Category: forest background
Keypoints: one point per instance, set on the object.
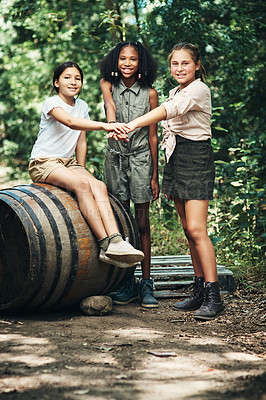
(37, 35)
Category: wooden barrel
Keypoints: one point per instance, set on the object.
(48, 253)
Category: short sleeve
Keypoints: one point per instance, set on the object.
(49, 104)
(82, 109)
(86, 111)
(195, 97)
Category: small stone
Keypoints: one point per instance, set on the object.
(96, 305)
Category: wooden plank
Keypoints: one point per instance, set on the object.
(169, 294)
(179, 283)
(175, 260)
(171, 285)
(181, 271)
(172, 273)
(164, 260)
(173, 294)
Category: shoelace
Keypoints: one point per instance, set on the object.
(206, 298)
(146, 286)
(209, 297)
(126, 287)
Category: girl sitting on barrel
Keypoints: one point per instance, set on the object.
(64, 122)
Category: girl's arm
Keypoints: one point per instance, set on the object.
(152, 117)
(110, 108)
(153, 141)
(109, 103)
(85, 124)
(81, 149)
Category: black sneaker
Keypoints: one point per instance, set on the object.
(146, 294)
(127, 292)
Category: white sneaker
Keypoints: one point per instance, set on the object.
(124, 251)
(121, 264)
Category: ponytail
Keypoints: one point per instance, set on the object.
(194, 51)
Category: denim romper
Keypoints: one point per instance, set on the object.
(128, 165)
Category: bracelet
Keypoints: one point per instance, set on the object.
(110, 122)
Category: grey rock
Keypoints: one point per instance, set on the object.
(96, 305)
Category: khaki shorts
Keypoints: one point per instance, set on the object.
(40, 168)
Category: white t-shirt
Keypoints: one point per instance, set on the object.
(55, 139)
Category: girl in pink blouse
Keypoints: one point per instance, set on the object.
(189, 172)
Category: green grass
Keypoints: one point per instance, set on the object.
(167, 235)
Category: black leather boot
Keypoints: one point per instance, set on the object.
(196, 298)
(212, 305)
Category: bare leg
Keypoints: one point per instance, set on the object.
(180, 206)
(100, 195)
(130, 291)
(194, 221)
(146, 284)
(92, 198)
(143, 222)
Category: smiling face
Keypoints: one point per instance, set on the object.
(69, 84)
(128, 63)
(183, 67)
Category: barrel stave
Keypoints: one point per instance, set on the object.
(48, 253)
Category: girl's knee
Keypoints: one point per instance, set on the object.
(144, 227)
(99, 190)
(195, 233)
(82, 185)
(102, 188)
(143, 222)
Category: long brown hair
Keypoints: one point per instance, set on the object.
(194, 51)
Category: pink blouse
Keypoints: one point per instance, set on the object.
(188, 115)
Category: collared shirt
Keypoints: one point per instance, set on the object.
(131, 103)
(128, 165)
(188, 115)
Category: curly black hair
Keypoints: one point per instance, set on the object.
(147, 66)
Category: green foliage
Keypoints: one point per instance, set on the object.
(166, 230)
(36, 35)
(238, 213)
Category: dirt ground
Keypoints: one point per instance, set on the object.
(68, 355)
(71, 356)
